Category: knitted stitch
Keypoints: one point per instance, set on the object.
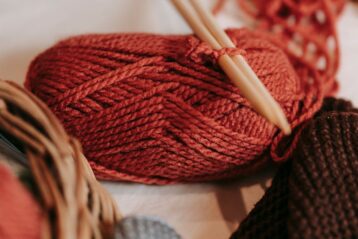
(306, 27)
(316, 194)
(144, 228)
(157, 109)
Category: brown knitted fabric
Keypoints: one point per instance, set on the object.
(315, 195)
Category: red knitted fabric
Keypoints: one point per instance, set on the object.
(307, 29)
(20, 216)
(157, 109)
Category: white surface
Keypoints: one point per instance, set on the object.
(197, 211)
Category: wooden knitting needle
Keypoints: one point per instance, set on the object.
(237, 68)
(225, 41)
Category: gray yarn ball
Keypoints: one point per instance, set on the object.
(135, 227)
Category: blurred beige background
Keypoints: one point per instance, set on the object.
(197, 211)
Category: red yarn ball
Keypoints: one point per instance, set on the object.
(157, 108)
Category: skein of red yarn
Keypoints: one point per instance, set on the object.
(157, 108)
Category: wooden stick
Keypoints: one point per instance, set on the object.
(237, 69)
(208, 19)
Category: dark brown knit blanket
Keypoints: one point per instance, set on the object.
(315, 194)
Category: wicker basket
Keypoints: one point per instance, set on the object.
(75, 204)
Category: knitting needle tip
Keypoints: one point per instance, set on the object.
(283, 124)
(285, 127)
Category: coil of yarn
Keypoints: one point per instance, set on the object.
(157, 109)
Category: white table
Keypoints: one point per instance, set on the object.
(197, 211)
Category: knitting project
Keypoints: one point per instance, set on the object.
(315, 194)
(307, 29)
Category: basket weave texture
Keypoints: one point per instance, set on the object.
(74, 202)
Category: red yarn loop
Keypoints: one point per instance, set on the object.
(201, 52)
(156, 109)
(228, 51)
